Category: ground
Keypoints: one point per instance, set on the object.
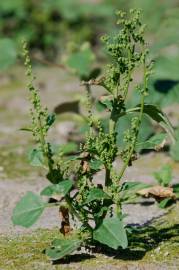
(158, 240)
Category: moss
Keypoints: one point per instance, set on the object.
(156, 243)
(14, 164)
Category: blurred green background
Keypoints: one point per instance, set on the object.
(67, 33)
(49, 25)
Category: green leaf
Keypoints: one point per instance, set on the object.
(35, 157)
(128, 186)
(157, 115)
(96, 194)
(50, 119)
(8, 54)
(107, 102)
(124, 123)
(81, 62)
(66, 148)
(62, 247)
(166, 202)
(62, 188)
(164, 176)
(28, 210)
(129, 189)
(154, 142)
(95, 164)
(111, 233)
(167, 67)
(54, 176)
(176, 190)
(26, 129)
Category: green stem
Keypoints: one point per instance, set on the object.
(107, 178)
(139, 123)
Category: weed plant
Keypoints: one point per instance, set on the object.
(96, 209)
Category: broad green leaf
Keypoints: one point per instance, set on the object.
(155, 142)
(66, 148)
(28, 210)
(157, 115)
(62, 247)
(35, 157)
(8, 53)
(111, 233)
(62, 188)
(81, 62)
(96, 194)
(124, 123)
(164, 176)
(166, 67)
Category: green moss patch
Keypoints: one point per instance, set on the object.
(152, 245)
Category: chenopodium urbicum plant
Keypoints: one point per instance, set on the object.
(95, 208)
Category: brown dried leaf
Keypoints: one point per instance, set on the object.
(65, 223)
(157, 192)
(86, 167)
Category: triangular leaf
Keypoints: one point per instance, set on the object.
(62, 248)
(164, 176)
(35, 157)
(96, 194)
(111, 233)
(28, 210)
(62, 188)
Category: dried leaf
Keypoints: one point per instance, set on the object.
(65, 223)
(85, 166)
(157, 192)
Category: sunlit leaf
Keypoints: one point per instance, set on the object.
(111, 233)
(96, 194)
(62, 247)
(164, 175)
(36, 157)
(62, 188)
(28, 210)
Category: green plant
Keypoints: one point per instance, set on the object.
(164, 178)
(95, 208)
